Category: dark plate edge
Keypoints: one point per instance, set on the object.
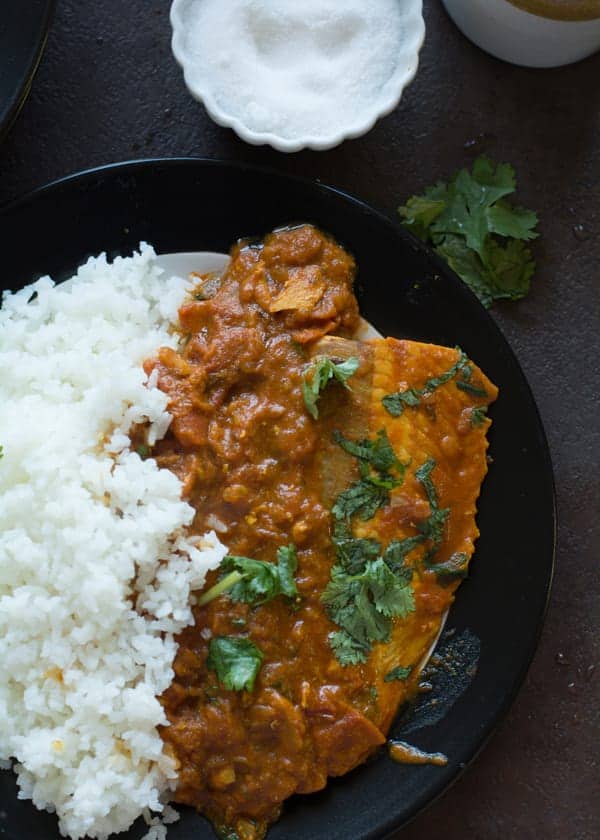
(9, 116)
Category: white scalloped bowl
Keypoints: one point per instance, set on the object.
(199, 85)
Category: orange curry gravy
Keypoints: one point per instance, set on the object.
(262, 472)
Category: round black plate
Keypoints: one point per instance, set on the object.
(23, 32)
(407, 291)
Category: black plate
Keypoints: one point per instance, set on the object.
(407, 291)
(23, 31)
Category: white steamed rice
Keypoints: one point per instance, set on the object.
(96, 571)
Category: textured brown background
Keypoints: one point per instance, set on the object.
(108, 90)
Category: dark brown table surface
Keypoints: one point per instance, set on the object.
(108, 90)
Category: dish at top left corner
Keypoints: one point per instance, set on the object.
(23, 32)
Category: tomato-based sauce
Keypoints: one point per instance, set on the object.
(264, 473)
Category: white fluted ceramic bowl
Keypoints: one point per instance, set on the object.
(200, 85)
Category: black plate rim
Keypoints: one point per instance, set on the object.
(470, 753)
(12, 107)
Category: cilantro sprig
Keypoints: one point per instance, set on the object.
(479, 233)
(363, 605)
(236, 662)
(255, 581)
(322, 371)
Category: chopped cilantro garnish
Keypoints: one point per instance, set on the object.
(477, 231)
(471, 389)
(143, 451)
(378, 463)
(423, 476)
(256, 581)
(399, 673)
(363, 499)
(455, 567)
(366, 592)
(411, 397)
(433, 527)
(398, 550)
(377, 453)
(1, 452)
(363, 606)
(322, 371)
(478, 415)
(352, 552)
(236, 662)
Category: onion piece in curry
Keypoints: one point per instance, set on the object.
(267, 473)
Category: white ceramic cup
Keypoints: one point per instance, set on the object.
(521, 37)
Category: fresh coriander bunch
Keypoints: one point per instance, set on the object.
(479, 233)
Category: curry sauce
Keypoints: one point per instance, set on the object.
(264, 473)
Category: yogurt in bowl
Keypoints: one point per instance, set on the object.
(298, 73)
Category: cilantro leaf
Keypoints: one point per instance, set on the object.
(392, 593)
(372, 491)
(1, 452)
(352, 552)
(423, 476)
(477, 230)
(455, 567)
(478, 415)
(397, 402)
(256, 581)
(346, 649)
(322, 371)
(398, 550)
(287, 564)
(398, 673)
(469, 388)
(433, 527)
(469, 267)
(420, 212)
(411, 397)
(509, 268)
(236, 662)
(363, 499)
(512, 222)
(363, 606)
(378, 453)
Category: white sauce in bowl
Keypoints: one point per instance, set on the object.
(299, 68)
